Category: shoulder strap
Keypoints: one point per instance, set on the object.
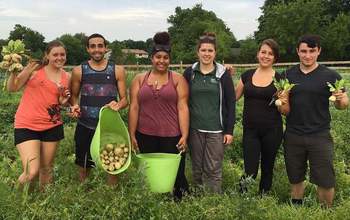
(145, 78)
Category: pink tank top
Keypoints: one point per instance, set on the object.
(38, 109)
(158, 114)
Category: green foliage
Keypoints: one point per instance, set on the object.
(336, 7)
(336, 44)
(338, 85)
(248, 50)
(286, 21)
(76, 48)
(186, 27)
(33, 40)
(283, 84)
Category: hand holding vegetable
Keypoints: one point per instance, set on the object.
(283, 87)
(337, 90)
(74, 111)
(64, 95)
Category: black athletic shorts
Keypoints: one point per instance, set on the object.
(83, 137)
(315, 148)
(50, 135)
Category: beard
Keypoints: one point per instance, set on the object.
(99, 59)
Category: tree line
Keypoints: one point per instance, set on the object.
(283, 20)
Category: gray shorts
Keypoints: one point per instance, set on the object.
(315, 148)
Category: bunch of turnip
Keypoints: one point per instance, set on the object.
(114, 156)
(283, 86)
(13, 54)
(338, 86)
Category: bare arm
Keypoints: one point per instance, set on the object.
(121, 85)
(183, 111)
(75, 83)
(16, 82)
(134, 109)
(239, 89)
(123, 102)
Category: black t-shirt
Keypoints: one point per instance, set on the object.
(309, 104)
(257, 111)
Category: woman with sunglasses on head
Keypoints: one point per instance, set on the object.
(262, 121)
(38, 124)
(212, 114)
(158, 113)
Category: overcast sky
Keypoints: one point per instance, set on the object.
(119, 19)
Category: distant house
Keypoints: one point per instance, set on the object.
(138, 53)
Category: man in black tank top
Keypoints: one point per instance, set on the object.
(307, 136)
(99, 82)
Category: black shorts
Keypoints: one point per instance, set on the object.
(83, 137)
(315, 148)
(50, 135)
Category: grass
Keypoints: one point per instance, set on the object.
(130, 199)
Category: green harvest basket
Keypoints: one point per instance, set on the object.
(160, 170)
(110, 129)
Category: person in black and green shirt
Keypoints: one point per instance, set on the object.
(212, 114)
(307, 136)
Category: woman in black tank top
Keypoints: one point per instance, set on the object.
(262, 122)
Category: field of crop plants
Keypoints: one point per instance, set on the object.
(130, 199)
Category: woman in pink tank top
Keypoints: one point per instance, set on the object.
(38, 124)
(158, 113)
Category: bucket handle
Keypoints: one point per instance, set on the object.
(181, 151)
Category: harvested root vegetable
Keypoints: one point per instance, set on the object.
(12, 54)
(109, 147)
(338, 86)
(283, 86)
(114, 156)
(118, 151)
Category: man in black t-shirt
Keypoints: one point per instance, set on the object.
(307, 136)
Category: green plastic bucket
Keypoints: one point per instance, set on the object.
(110, 129)
(160, 170)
